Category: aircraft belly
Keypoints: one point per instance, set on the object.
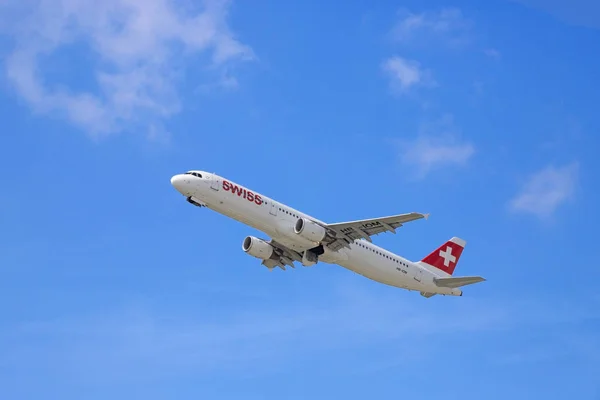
(379, 272)
(243, 212)
(332, 257)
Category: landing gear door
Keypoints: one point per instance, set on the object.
(215, 182)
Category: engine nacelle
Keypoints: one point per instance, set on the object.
(310, 230)
(257, 248)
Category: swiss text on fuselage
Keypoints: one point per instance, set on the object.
(241, 192)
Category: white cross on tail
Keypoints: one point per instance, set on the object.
(447, 256)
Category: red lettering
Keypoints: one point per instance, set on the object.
(248, 195)
(236, 190)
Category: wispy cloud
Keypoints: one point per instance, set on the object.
(492, 53)
(138, 52)
(546, 190)
(447, 25)
(404, 74)
(437, 145)
(444, 27)
(141, 343)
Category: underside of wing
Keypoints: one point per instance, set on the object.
(284, 256)
(337, 236)
(346, 232)
(272, 264)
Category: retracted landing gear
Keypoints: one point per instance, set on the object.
(195, 202)
(311, 256)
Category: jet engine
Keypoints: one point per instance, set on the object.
(257, 248)
(309, 230)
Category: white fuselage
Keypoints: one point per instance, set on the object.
(277, 220)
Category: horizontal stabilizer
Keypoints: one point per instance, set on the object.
(458, 281)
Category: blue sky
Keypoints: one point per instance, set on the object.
(483, 115)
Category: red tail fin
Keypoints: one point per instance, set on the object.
(446, 256)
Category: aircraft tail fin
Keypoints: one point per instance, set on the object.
(446, 256)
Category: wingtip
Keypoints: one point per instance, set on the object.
(426, 216)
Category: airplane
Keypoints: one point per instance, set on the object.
(298, 237)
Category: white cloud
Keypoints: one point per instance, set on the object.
(138, 47)
(492, 53)
(447, 24)
(546, 190)
(437, 145)
(405, 74)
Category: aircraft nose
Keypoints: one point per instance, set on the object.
(178, 182)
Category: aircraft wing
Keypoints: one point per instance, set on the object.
(346, 232)
(286, 256)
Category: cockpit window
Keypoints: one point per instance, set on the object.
(199, 175)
